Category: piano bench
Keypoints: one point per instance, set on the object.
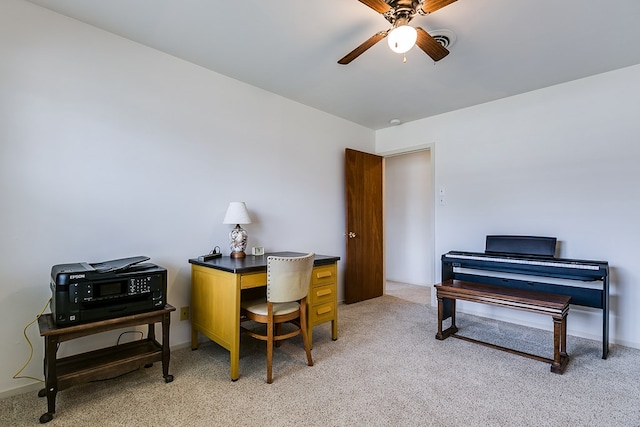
(554, 305)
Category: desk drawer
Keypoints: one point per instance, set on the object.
(253, 280)
(323, 275)
(323, 294)
(322, 313)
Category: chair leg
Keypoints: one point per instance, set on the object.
(270, 344)
(278, 331)
(303, 330)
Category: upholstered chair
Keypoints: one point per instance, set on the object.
(288, 281)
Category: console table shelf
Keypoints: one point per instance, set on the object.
(102, 363)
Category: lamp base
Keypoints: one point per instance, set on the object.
(237, 242)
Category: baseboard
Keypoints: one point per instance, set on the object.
(33, 387)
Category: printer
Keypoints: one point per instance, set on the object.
(84, 292)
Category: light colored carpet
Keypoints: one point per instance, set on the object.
(386, 368)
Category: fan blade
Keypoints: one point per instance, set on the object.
(430, 46)
(431, 6)
(363, 47)
(377, 5)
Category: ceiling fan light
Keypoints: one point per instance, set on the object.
(402, 38)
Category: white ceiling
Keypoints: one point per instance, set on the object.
(291, 48)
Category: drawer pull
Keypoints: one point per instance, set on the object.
(323, 274)
(323, 310)
(323, 292)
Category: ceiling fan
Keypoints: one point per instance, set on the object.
(399, 13)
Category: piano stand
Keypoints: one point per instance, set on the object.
(557, 306)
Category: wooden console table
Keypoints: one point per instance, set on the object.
(103, 363)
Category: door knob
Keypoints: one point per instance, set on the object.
(351, 234)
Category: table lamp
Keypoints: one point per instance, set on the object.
(237, 214)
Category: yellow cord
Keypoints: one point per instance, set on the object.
(24, 332)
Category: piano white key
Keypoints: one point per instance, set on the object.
(526, 262)
(596, 284)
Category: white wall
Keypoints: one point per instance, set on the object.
(110, 149)
(408, 217)
(560, 161)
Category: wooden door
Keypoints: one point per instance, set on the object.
(364, 271)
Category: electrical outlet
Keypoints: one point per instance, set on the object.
(184, 313)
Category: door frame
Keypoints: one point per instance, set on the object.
(434, 195)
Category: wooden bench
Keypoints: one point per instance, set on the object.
(556, 306)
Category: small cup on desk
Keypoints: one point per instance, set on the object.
(257, 250)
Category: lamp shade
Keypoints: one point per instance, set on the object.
(237, 214)
(402, 38)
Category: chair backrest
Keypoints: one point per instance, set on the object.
(288, 278)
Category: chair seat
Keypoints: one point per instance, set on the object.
(259, 307)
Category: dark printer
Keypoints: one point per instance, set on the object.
(84, 292)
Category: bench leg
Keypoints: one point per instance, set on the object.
(560, 356)
(563, 342)
(441, 316)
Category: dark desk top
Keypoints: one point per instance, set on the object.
(255, 262)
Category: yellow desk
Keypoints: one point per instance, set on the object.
(217, 287)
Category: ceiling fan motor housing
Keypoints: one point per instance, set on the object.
(402, 11)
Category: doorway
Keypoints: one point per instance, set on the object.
(409, 218)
